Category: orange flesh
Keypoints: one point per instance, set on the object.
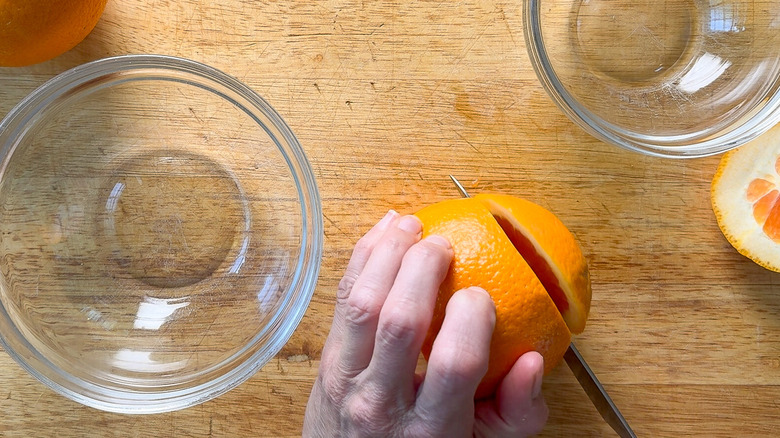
(537, 263)
(763, 207)
(772, 224)
(758, 188)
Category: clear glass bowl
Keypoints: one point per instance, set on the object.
(674, 78)
(160, 233)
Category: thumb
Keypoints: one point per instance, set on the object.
(518, 408)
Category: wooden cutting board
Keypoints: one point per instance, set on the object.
(388, 98)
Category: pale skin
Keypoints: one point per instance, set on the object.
(367, 384)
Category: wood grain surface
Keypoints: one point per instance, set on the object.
(387, 99)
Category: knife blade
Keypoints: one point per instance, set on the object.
(585, 376)
(596, 393)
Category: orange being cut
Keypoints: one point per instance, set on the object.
(33, 31)
(529, 263)
(745, 197)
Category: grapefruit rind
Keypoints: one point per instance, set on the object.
(485, 232)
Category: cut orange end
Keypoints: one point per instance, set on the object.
(528, 262)
(746, 199)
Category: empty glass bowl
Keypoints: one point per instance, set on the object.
(675, 78)
(160, 233)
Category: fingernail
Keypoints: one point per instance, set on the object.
(537, 388)
(438, 240)
(479, 289)
(410, 224)
(382, 224)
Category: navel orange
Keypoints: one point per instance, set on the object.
(530, 264)
(745, 197)
(33, 31)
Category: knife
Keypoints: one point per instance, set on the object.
(596, 393)
(593, 388)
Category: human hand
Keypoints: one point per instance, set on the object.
(367, 384)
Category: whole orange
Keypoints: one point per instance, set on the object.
(529, 263)
(33, 31)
